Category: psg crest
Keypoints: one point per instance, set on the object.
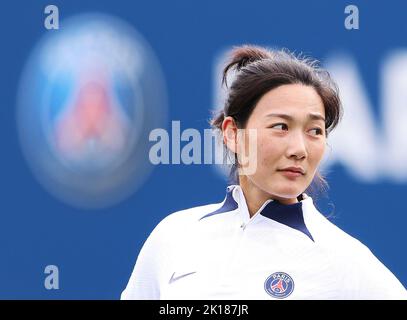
(89, 96)
(279, 285)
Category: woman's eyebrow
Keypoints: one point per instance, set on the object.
(312, 116)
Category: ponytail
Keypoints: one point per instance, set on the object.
(240, 57)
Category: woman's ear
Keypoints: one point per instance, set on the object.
(229, 131)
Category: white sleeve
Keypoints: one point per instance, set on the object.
(375, 281)
(144, 283)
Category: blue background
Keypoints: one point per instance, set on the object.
(96, 250)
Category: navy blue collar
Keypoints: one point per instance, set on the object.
(290, 215)
(229, 204)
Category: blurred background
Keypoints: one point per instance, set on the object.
(82, 90)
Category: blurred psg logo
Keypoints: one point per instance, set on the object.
(89, 96)
(279, 285)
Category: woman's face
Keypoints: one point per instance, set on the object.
(290, 126)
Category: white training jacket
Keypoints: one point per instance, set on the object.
(290, 251)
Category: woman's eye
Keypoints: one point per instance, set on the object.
(280, 125)
(318, 131)
(283, 126)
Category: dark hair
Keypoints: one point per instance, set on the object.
(259, 70)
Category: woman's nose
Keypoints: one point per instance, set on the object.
(297, 147)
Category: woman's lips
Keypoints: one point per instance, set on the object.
(291, 174)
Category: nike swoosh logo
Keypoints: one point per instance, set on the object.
(174, 278)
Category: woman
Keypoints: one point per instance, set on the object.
(266, 240)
